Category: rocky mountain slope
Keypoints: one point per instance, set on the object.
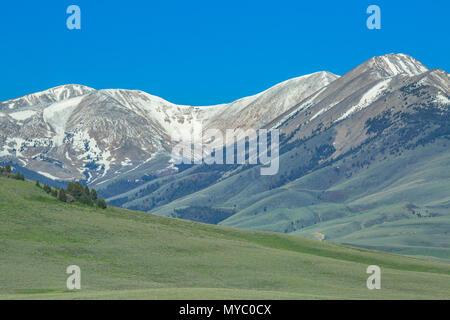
(76, 132)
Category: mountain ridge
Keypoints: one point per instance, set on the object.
(342, 142)
(108, 120)
(362, 122)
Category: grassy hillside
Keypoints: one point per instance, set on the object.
(392, 202)
(126, 254)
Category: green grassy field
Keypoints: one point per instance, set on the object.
(130, 255)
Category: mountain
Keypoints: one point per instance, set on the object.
(364, 161)
(75, 132)
(364, 158)
(133, 255)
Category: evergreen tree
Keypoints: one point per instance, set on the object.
(86, 199)
(54, 193)
(38, 184)
(8, 168)
(77, 191)
(19, 176)
(86, 190)
(62, 195)
(71, 188)
(101, 203)
(47, 188)
(94, 195)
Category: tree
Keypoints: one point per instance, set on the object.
(8, 168)
(54, 193)
(75, 189)
(62, 195)
(19, 176)
(86, 199)
(94, 195)
(70, 188)
(47, 188)
(38, 184)
(101, 203)
(87, 191)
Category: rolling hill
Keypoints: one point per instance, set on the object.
(134, 255)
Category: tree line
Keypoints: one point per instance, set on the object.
(75, 192)
(7, 172)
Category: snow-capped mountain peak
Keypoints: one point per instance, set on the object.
(73, 131)
(76, 132)
(46, 97)
(394, 64)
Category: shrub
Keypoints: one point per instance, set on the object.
(62, 195)
(101, 203)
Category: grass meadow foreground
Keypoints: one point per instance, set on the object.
(132, 255)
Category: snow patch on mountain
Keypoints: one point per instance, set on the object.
(310, 102)
(57, 115)
(395, 64)
(180, 122)
(22, 115)
(442, 99)
(4, 151)
(48, 175)
(93, 157)
(127, 162)
(368, 98)
(323, 110)
(46, 97)
(16, 146)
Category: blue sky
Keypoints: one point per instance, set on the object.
(206, 52)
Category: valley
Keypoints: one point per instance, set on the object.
(125, 254)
